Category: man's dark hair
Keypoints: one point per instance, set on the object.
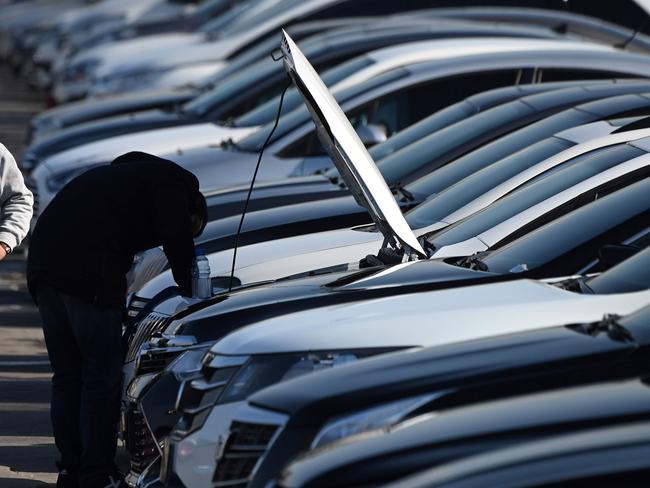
(199, 208)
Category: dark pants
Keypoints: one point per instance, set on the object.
(85, 350)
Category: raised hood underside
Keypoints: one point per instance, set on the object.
(348, 152)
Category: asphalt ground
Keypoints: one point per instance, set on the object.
(27, 450)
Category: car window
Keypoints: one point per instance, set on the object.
(267, 112)
(462, 192)
(578, 235)
(367, 7)
(404, 107)
(228, 17)
(562, 74)
(523, 198)
(495, 150)
(633, 274)
(519, 139)
(456, 112)
(630, 479)
(259, 83)
(435, 150)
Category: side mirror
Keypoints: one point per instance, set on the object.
(371, 134)
(612, 254)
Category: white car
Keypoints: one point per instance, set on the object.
(274, 259)
(53, 172)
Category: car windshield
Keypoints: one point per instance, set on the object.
(227, 18)
(263, 81)
(267, 112)
(496, 150)
(301, 115)
(262, 48)
(452, 114)
(208, 6)
(441, 205)
(571, 173)
(631, 275)
(233, 86)
(573, 230)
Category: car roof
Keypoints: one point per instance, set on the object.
(441, 49)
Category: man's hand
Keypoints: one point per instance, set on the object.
(3, 253)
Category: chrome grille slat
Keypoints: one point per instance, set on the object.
(140, 443)
(145, 329)
(246, 445)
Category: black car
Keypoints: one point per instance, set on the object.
(568, 245)
(582, 238)
(315, 407)
(327, 205)
(448, 434)
(195, 402)
(605, 456)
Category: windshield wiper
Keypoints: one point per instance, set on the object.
(229, 144)
(474, 262)
(609, 325)
(577, 285)
(401, 192)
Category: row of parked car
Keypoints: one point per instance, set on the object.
(443, 275)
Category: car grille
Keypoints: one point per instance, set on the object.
(139, 441)
(33, 187)
(136, 305)
(155, 360)
(145, 329)
(198, 397)
(245, 447)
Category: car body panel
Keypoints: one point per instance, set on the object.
(497, 304)
(348, 152)
(501, 422)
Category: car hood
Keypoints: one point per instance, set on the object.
(347, 151)
(99, 129)
(121, 51)
(159, 142)
(426, 318)
(250, 304)
(428, 440)
(71, 112)
(503, 358)
(190, 49)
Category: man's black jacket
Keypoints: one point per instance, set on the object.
(84, 242)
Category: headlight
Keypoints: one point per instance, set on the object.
(59, 180)
(188, 364)
(375, 418)
(229, 379)
(263, 371)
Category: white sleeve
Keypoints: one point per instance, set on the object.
(16, 201)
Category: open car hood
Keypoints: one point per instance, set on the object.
(348, 152)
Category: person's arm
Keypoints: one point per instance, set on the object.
(16, 203)
(174, 227)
